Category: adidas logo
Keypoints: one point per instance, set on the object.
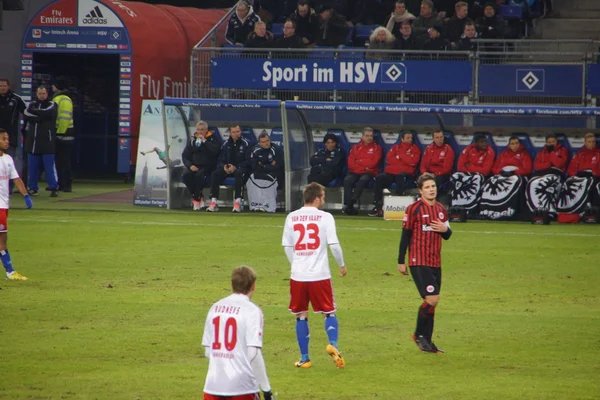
(95, 17)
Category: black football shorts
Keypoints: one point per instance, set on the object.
(427, 279)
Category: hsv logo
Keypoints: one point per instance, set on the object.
(95, 17)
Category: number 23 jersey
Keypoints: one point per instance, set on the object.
(232, 325)
(309, 231)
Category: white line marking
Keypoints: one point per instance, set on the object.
(349, 228)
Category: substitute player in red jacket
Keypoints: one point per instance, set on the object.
(516, 156)
(552, 159)
(438, 159)
(425, 225)
(477, 158)
(587, 160)
(363, 164)
(400, 165)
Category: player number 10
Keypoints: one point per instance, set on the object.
(313, 241)
(230, 333)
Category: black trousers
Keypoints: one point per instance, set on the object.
(358, 182)
(384, 180)
(321, 177)
(64, 150)
(195, 181)
(441, 180)
(219, 175)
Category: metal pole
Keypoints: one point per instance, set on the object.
(286, 159)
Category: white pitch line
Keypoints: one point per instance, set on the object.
(350, 228)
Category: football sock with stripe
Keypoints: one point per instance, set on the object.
(303, 336)
(6, 261)
(332, 329)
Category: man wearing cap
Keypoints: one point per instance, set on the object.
(64, 135)
(327, 163)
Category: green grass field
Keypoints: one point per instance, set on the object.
(115, 305)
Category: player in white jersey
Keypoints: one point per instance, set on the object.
(8, 172)
(233, 336)
(306, 234)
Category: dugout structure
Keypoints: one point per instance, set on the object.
(300, 126)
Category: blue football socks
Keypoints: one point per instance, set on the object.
(303, 335)
(331, 327)
(6, 261)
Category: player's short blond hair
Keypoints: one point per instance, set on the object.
(242, 279)
(312, 191)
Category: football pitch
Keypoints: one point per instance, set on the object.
(116, 300)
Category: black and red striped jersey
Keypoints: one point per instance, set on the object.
(425, 248)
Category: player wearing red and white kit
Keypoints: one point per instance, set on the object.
(425, 225)
(233, 335)
(306, 234)
(8, 172)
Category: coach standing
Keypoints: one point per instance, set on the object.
(64, 135)
(11, 108)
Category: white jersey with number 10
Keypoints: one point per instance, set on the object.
(309, 231)
(233, 324)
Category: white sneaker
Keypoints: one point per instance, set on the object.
(202, 205)
(237, 207)
(195, 205)
(213, 207)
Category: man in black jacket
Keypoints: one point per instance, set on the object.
(307, 22)
(267, 160)
(289, 40)
(327, 163)
(11, 108)
(234, 161)
(40, 141)
(200, 159)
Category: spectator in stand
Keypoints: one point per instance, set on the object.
(260, 38)
(289, 40)
(327, 163)
(363, 164)
(587, 160)
(380, 39)
(427, 19)
(200, 159)
(241, 24)
(551, 159)
(455, 26)
(477, 158)
(407, 40)
(400, 166)
(514, 160)
(465, 43)
(332, 27)
(397, 18)
(436, 40)
(490, 25)
(438, 159)
(307, 22)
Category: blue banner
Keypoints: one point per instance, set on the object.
(531, 80)
(322, 74)
(445, 109)
(172, 101)
(593, 84)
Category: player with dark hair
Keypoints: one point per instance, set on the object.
(232, 339)
(306, 234)
(425, 225)
(8, 171)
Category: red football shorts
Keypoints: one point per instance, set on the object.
(319, 294)
(3, 220)
(253, 396)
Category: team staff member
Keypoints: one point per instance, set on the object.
(438, 159)
(40, 141)
(232, 340)
(327, 163)
(425, 225)
(11, 108)
(64, 135)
